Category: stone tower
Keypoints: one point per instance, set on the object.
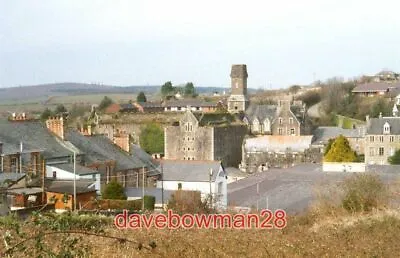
(238, 101)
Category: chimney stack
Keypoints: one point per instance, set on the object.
(57, 126)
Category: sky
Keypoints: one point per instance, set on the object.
(149, 42)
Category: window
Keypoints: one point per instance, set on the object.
(280, 121)
(386, 128)
(184, 148)
(292, 131)
(290, 120)
(372, 151)
(381, 151)
(381, 138)
(391, 138)
(280, 131)
(14, 164)
(54, 174)
(371, 138)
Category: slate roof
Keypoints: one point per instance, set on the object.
(324, 133)
(25, 190)
(376, 86)
(98, 148)
(79, 170)
(156, 192)
(33, 135)
(278, 143)
(189, 102)
(189, 171)
(146, 158)
(261, 112)
(15, 177)
(67, 186)
(375, 125)
(149, 104)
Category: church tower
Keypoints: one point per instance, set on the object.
(238, 101)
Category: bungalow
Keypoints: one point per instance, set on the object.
(375, 88)
(207, 177)
(149, 107)
(192, 104)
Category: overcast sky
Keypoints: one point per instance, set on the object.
(149, 42)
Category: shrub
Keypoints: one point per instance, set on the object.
(114, 190)
(152, 138)
(363, 193)
(395, 159)
(149, 202)
(187, 202)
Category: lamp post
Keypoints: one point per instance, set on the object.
(74, 181)
(211, 197)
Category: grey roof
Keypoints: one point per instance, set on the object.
(375, 125)
(79, 170)
(146, 158)
(278, 143)
(150, 104)
(375, 86)
(239, 71)
(189, 102)
(324, 133)
(25, 190)
(189, 171)
(14, 177)
(261, 112)
(156, 192)
(232, 171)
(67, 186)
(33, 135)
(99, 148)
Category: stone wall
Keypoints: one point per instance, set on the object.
(258, 161)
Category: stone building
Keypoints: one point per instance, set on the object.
(205, 136)
(382, 139)
(238, 100)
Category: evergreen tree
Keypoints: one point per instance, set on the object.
(340, 151)
(189, 90)
(114, 190)
(395, 159)
(141, 97)
(152, 139)
(105, 103)
(60, 109)
(167, 89)
(46, 114)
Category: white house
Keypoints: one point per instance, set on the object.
(66, 171)
(208, 177)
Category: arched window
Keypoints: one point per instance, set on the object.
(386, 128)
(256, 125)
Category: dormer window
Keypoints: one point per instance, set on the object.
(386, 128)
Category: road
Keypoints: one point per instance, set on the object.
(292, 189)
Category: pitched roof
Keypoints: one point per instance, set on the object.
(67, 186)
(375, 125)
(99, 148)
(156, 192)
(150, 104)
(79, 170)
(14, 177)
(376, 86)
(261, 112)
(33, 135)
(189, 102)
(189, 171)
(324, 133)
(278, 143)
(146, 158)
